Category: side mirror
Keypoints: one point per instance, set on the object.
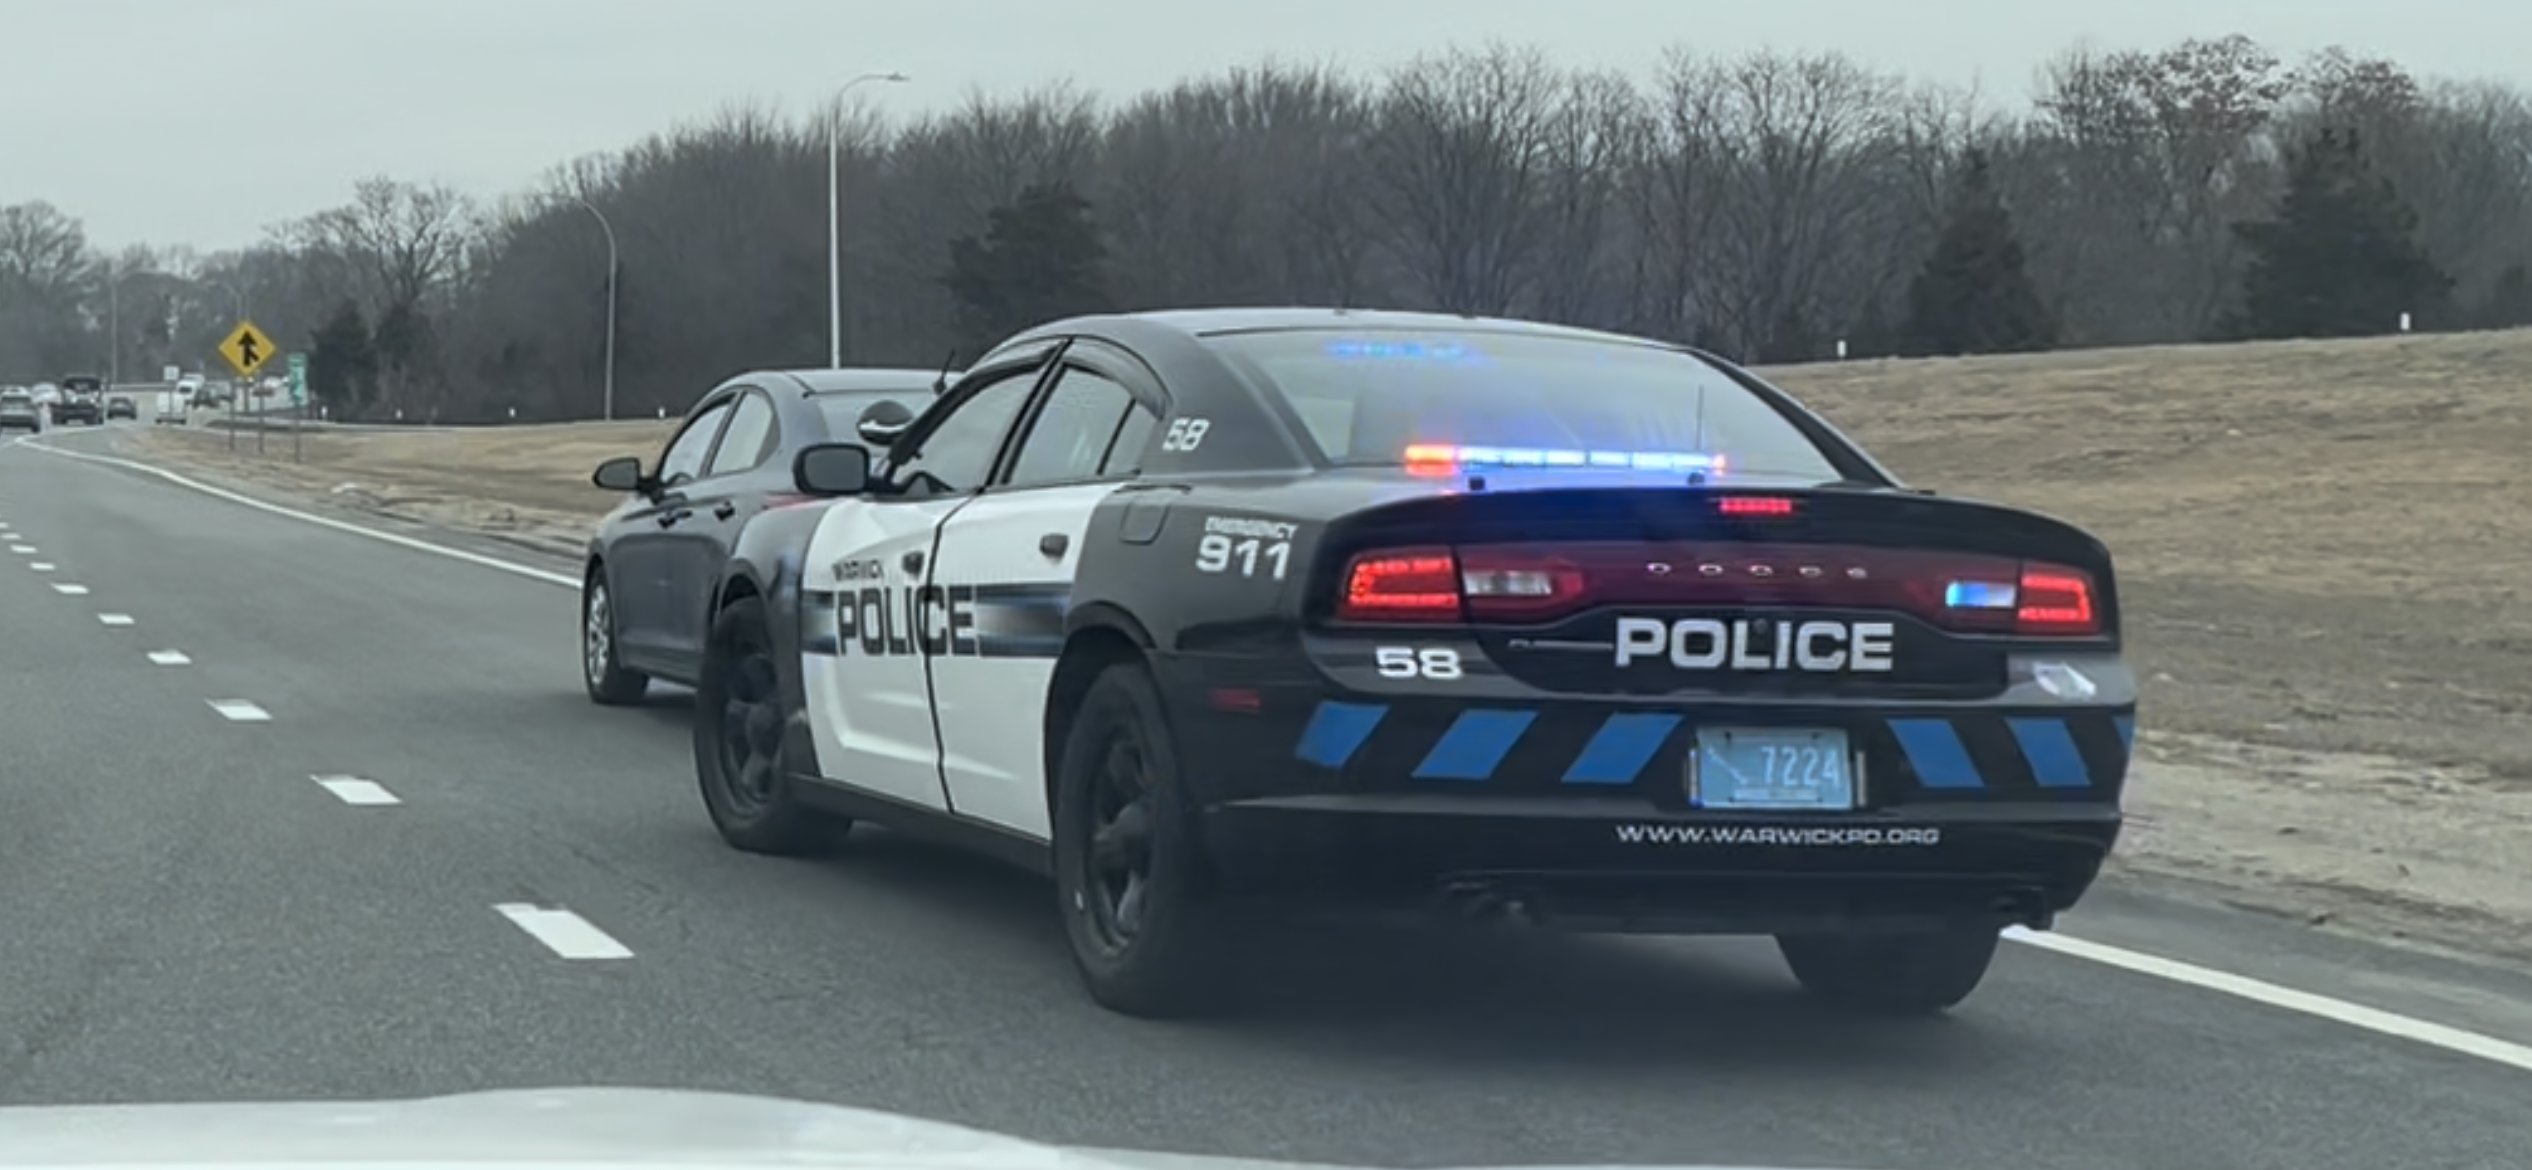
(883, 421)
(620, 474)
(831, 469)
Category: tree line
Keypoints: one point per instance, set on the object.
(1775, 207)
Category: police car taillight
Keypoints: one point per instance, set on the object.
(1402, 585)
(2043, 600)
(2055, 601)
(1437, 584)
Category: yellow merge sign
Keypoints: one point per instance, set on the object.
(247, 349)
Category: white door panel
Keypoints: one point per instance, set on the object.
(861, 654)
(1007, 601)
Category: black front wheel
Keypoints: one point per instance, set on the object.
(1128, 875)
(739, 724)
(1893, 974)
(608, 682)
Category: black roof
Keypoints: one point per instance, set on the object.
(1210, 322)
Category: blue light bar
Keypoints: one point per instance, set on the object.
(1433, 454)
(1979, 595)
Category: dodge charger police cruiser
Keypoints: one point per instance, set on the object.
(1210, 612)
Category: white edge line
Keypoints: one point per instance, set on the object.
(407, 542)
(357, 791)
(2260, 991)
(536, 920)
(563, 932)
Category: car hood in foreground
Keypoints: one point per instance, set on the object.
(582, 1128)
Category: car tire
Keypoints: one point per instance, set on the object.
(739, 728)
(1145, 948)
(608, 682)
(1910, 974)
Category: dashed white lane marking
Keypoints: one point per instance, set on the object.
(2353, 1015)
(2203, 978)
(40, 566)
(240, 711)
(115, 619)
(354, 790)
(169, 658)
(563, 932)
(67, 589)
(23, 550)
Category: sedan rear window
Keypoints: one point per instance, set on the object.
(1383, 398)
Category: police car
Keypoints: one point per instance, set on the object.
(1204, 612)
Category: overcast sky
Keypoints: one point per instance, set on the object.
(203, 121)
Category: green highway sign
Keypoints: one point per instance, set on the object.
(298, 379)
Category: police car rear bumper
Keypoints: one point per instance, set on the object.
(1616, 866)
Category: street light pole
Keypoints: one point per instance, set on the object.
(607, 411)
(835, 220)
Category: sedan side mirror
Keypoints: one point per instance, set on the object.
(620, 474)
(831, 469)
(883, 421)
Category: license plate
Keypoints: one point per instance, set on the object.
(1774, 769)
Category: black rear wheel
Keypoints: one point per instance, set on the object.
(1127, 870)
(738, 738)
(1894, 974)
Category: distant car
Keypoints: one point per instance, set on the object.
(83, 401)
(646, 592)
(120, 406)
(172, 408)
(19, 411)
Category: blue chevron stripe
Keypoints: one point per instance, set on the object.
(1336, 731)
(2050, 748)
(1475, 745)
(1936, 752)
(1621, 748)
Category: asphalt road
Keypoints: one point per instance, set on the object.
(189, 914)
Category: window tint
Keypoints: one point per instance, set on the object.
(1523, 399)
(958, 455)
(750, 439)
(684, 458)
(1125, 455)
(1070, 438)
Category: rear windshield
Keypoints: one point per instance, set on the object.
(1366, 398)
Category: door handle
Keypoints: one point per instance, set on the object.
(913, 562)
(724, 510)
(670, 519)
(1053, 544)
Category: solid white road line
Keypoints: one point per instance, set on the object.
(115, 619)
(67, 589)
(169, 658)
(240, 711)
(2203, 978)
(354, 790)
(478, 559)
(563, 932)
(2354, 1015)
